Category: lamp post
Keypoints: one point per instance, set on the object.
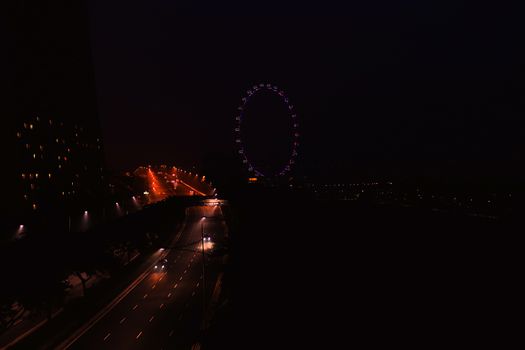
(203, 276)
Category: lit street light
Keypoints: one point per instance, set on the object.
(203, 276)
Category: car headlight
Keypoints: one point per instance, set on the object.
(156, 266)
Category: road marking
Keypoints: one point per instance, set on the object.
(122, 321)
(171, 333)
(169, 295)
(145, 296)
(200, 277)
(180, 279)
(185, 271)
(136, 306)
(161, 277)
(197, 284)
(161, 306)
(193, 294)
(99, 315)
(153, 286)
(107, 336)
(138, 336)
(151, 318)
(175, 285)
(189, 265)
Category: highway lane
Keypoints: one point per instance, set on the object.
(165, 309)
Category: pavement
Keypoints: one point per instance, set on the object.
(165, 309)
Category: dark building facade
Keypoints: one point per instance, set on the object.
(53, 165)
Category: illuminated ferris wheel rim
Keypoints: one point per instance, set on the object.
(238, 121)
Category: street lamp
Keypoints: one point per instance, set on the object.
(203, 276)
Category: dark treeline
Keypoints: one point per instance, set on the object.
(36, 268)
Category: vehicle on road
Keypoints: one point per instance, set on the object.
(161, 265)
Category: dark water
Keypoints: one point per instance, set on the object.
(320, 274)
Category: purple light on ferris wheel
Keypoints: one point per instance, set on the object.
(240, 117)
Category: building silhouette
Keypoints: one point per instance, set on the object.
(53, 162)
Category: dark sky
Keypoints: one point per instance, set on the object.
(414, 88)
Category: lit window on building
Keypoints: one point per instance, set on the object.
(27, 146)
(25, 125)
(19, 134)
(31, 126)
(50, 122)
(37, 119)
(32, 186)
(59, 166)
(34, 155)
(41, 147)
(23, 176)
(59, 157)
(56, 140)
(26, 197)
(36, 175)
(49, 175)
(63, 193)
(34, 206)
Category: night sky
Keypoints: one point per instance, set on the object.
(411, 89)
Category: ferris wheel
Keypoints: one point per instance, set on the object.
(287, 166)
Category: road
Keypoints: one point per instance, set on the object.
(164, 311)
